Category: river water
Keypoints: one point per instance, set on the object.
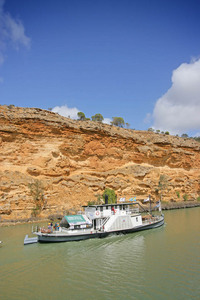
(162, 263)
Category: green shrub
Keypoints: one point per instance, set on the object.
(198, 199)
(185, 197)
(112, 197)
(81, 116)
(178, 194)
(98, 118)
(118, 121)
(37, 192)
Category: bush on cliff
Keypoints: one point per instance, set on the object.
(37, 192)
(81, 116)
(118, 121)
(97, 118)
(112, 197)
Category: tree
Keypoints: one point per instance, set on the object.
(167, 132)
(151, 129)
(37, 192)
(98, 118)
(118, 121)
(184, 135)
(111, 195)
(162, 185)
(81, 116)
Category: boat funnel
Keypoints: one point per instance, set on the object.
(106, 199)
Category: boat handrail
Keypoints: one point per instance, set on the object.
(105, 221)
(36, 228)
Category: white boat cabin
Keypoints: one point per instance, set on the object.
(114, 216)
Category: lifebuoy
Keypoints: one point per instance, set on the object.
(115, 211)
(97, 213)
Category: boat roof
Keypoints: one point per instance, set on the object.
(75, 219)
(113, 204)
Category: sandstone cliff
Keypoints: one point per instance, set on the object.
(76, 160)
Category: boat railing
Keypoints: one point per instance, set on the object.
(105, 221)
(42, 229)
(150, 219)
(35, 228)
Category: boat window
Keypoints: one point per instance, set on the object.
(115, 206)
(136, 219)
(120, 207)
(106, 207)
(101, 208)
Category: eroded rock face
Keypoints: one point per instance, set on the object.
(75, 161)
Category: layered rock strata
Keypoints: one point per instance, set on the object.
(76, 160)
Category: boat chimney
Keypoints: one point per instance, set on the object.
(106, 199)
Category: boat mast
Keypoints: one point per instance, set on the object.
(150, 204)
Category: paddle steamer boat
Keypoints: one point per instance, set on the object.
(98, 221)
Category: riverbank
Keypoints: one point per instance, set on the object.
(165, 206)
(179, 205)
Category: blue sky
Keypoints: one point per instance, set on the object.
(135, 59)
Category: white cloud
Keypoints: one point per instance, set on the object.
(107, 121)
(65, 111)
(178, 110)
(148, 118)
(16, 31)
(11, 31)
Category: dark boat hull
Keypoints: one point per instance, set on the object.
(55, 238)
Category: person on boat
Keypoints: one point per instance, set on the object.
(50, 228)
(55, 226)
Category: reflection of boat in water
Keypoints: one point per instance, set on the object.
(99, 221)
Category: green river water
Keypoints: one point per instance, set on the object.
(162, 263)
